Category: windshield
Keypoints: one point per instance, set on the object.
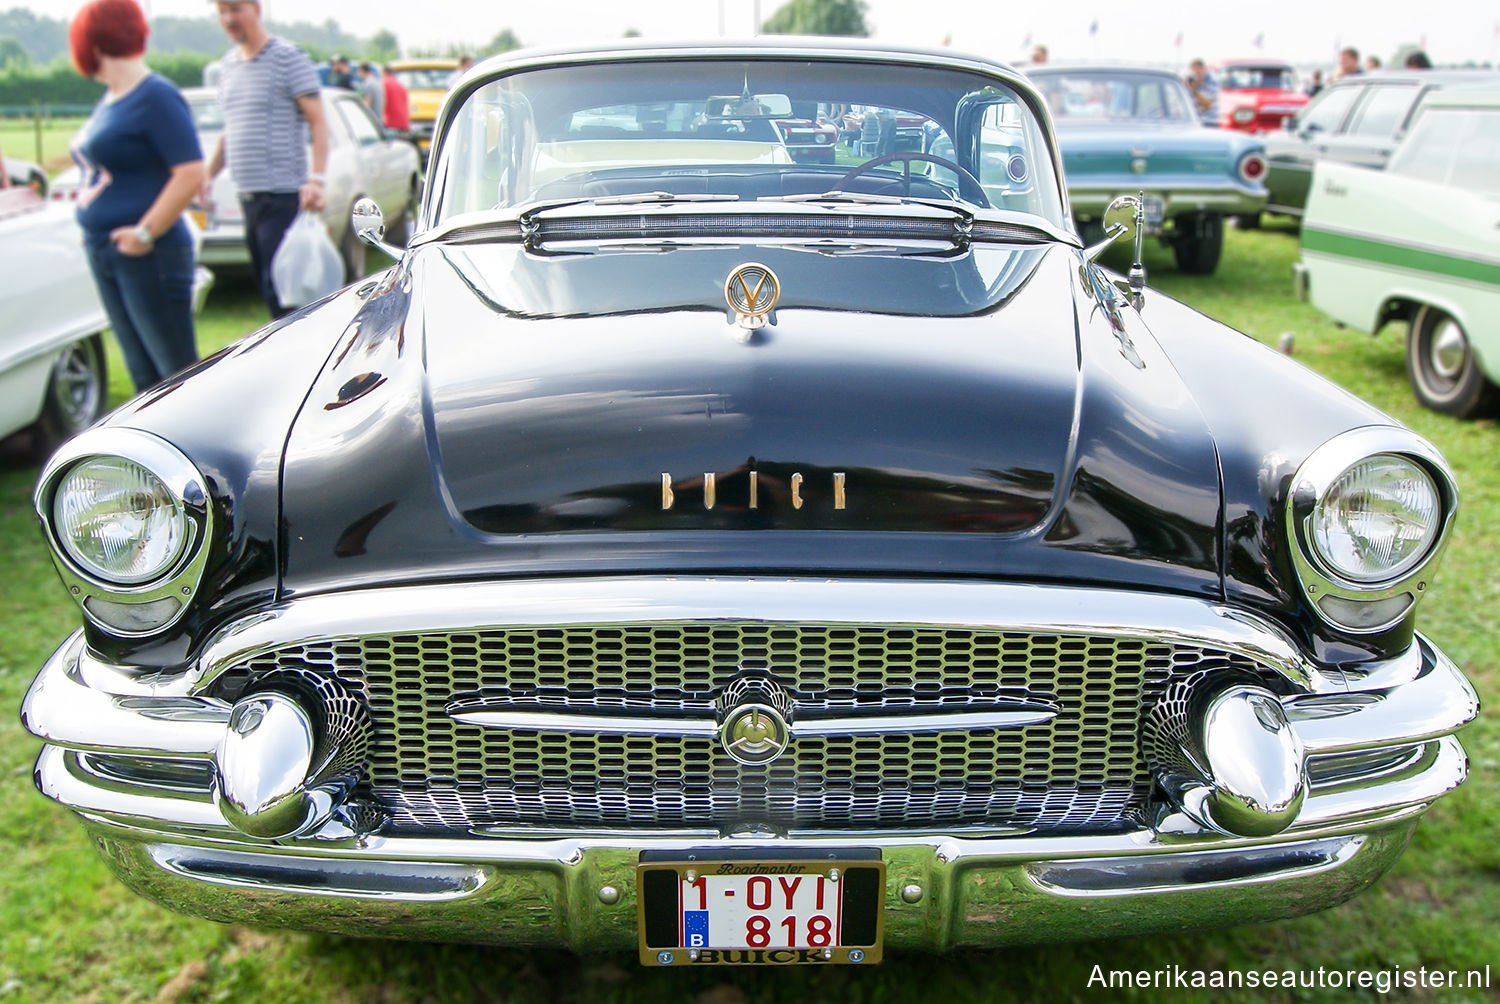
(1113, 96)
(1258, 78)
(722, 130)
(207, 115)
(427, 78)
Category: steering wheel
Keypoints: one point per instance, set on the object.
(968, 185)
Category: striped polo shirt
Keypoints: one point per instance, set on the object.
(265, 135)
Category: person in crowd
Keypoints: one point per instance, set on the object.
(869, 134)
(140, 166)
(464, 62)
(371, 91)
(1372, 63)
(1038, 55)
(396, 103)
(264, 142)
(1417, 60)
(1205, 90)
(339, 74)
(1316, 84)
(887, 144)
(1348, 63)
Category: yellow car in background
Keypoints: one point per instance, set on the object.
(426, 83)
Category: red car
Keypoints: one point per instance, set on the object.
(1257, 95)
(810, 137)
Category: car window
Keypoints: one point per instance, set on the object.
(361, 126)
(1384, 112)
(1247, 78)
(1429, 150)
(1327, 110)
(207, 115)
(1115, 95)
(711, 130)
(425, 79)
(1477, 164)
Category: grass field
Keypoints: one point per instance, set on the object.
(18, 138)
(70, 932)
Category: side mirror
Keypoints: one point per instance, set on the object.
(369, 222)
(1120, 220)
(1126, 215)
(369, 226)
(1121, 217)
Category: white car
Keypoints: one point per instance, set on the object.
(363, 162)
(51, 346)
(1419, 242)
(25, 174)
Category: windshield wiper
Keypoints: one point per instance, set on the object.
(639, 198)
(837, 196)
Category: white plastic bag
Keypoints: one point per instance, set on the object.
(306, 266)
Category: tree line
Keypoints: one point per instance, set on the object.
(35, 66)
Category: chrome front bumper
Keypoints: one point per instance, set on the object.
(579, 892)
(224, 246)
(1386, 730)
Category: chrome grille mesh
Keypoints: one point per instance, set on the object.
(1082, 770)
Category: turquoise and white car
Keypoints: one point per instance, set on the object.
(1126, 129)
(1420, 242)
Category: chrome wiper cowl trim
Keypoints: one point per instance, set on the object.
(648, 218)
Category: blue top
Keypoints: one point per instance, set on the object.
(125, 153)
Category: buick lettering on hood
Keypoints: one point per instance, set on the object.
(691, 549)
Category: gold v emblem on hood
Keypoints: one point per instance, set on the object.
(752, 291)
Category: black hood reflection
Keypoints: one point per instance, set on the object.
(600, 411)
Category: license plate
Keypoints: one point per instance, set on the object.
(1156, 210)
(717, 911)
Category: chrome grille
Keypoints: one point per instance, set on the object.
(1082, 770)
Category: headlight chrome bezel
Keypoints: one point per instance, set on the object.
(141, 603)
(1363, 607)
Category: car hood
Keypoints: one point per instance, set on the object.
(974, 411)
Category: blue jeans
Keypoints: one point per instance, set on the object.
(149, 302)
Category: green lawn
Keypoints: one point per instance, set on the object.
(69, 932)
(18, 138)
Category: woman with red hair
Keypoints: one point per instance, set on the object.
(141, 166)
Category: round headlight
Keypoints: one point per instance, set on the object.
(1378, 519)
(117, 521)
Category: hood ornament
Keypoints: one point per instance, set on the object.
(752, 291)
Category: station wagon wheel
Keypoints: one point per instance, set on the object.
(77, 391)
(1442, 367)
(968, 185)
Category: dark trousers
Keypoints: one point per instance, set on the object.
(149, 302)
(268, 216)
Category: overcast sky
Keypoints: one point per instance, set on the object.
(1148, 30)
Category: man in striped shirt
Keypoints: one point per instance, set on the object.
(268, 90)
